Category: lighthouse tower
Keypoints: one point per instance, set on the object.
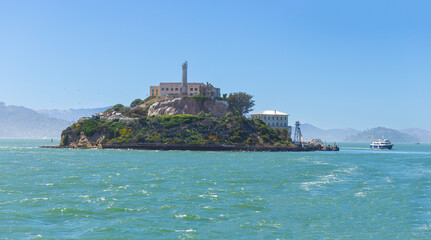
(184, 81)
(297, 139)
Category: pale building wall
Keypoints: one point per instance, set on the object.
(175, 88)
(155, 91)
(273, 120)
(194, 89)
(170, 88)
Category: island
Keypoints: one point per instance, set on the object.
(187, 116)
(179, 123)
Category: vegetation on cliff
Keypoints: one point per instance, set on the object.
(202, 128)
(241, 102)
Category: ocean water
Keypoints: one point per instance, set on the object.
(356, 193)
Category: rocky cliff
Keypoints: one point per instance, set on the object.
(193, 106)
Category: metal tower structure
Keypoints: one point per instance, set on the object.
(297, 139)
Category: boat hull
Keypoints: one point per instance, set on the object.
(386, 146)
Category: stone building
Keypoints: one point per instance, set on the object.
(184, 88)
(209, 90)
(274, 118)
(166, 89)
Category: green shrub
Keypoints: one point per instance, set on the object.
(236, 139)
(149, 98)
(203, 114)
(136, 102)
(170, 121)
(64, 139)
(200, 98)
(250, 141)
(89, 127)
(118, 107)
(266, 139)
(154, 138)
(137, 112)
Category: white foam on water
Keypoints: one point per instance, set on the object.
(360, 194)
(424, 227)
(144, 192)
(320, 163)
(187, 230)
(330, 178)
(349, 170)
(388, 180)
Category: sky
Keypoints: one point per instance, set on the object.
(333, 64)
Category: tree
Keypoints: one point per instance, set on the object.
(136, 102)
(241, 101)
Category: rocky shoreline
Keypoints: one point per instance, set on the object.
(207, 147)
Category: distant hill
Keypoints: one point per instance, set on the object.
(72, 115)
(422, 134)
(332, 135)
(379, 132)
(21, 122)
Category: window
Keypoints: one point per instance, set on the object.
(196, 89)
(277, 118)
(163, 89)
(277, 124)
(176, 89)
(157, 90)
(152, 90)
(191, 94)
(172, 89)
(191, 89)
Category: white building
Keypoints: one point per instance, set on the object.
(274, 118)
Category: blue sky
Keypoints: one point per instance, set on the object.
(333, 64)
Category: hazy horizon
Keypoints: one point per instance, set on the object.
(332, 64)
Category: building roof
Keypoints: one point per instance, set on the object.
(166, 83)
(271, 112)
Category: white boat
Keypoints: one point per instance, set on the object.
(381, 144)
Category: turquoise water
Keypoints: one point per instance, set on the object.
(356, 193)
